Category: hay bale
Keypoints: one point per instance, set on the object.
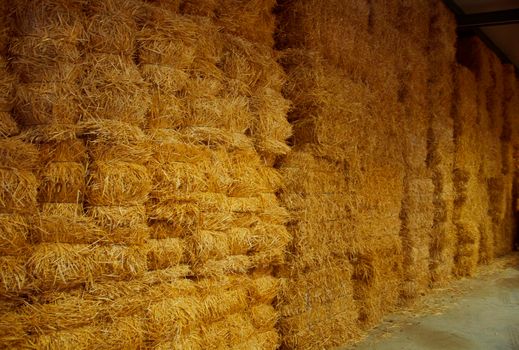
(8, 126)
(5, 28)
(125, 332)
(171, 317)
(341, 26)
(166, 79)
(233, 264)
(113, 88)
(329, 321)
(115, 182)
(17, 154)
(111, 26)
(59, 225)
(250, 66)
(17, 191)
(61, 265)
(112, 132)
(62, 182)
(7, 83)
(271, 128)
(417, 221)
(254, 21)
(165, 253)
(54, 19)
(15, 234)
(14, 277)
(204, 8)
(46, 103)
(442, 37)
(164, 229)
(113, 217)
(48, 60)
(441, 55)
(177, 41)
(217, 305)
(70, 150)
(413, 22)
(59, 313)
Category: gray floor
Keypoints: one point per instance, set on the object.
(481, 313)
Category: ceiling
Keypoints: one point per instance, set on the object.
(505, 37)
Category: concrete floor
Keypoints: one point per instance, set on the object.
(479, 313)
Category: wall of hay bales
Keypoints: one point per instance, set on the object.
(138, 205)
(399, 177)
(199, 174)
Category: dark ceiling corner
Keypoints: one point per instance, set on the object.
(471, 24)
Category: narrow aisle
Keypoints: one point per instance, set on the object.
(482, 313)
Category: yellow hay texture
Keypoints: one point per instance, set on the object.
(342, 30)
(413, 24)
(465, 175)
(441, 55)
(177, 41)
(59, 223)
(314, 195)
(128, 332)
(327, 320)
(164, 253)
(72, 150)
(417, 221)
(114, 182)
(111, 131)
(13, 275)
(15, 234)
(8, 126)
(271, 129)
(113, 89)
(250, 65)
(62, 182)
(50, 60)
(55, 19)
(17, 190)
(254, 20)
(14, 153)
(61, 265)
(46, 103)
(5, 28)
(7, 81)
(488, 72)
(111, 26)
(120, 224)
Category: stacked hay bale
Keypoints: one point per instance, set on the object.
(440, 156)
(216, 107)
(381, 217)
(18, 191)
(505, 239)
(341, 118)
(114, 104)
(417, 203)
(489, 74)
(46, 57)
(467, 205)
(317, 305)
